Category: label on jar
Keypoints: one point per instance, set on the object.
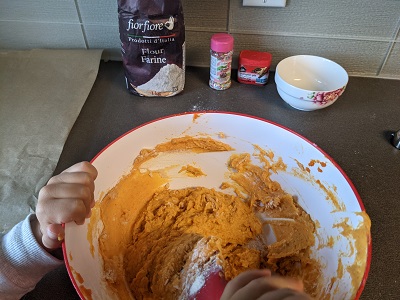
(220, 68)
(253, 75)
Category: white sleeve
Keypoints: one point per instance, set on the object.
(23, 262)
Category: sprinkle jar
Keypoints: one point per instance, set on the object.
(221, 61)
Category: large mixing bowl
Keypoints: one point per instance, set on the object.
(320, 186)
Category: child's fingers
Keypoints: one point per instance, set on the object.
(50, 194)
(53, 235)
(286, 283)
(284, 294)
(265, 285)
(242, 280)
(82, 167)
(81, 173)
(61, 211)
(82, 178)
(53, 213)
(66, 189)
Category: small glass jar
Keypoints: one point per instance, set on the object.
(221, 61)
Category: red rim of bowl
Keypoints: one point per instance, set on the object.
(353, 188)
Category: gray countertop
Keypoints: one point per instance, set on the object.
(355, 131)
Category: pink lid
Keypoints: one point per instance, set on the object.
(222, 42)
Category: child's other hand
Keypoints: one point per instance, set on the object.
(67, 197)
(259, 284)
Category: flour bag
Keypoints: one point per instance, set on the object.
(152, 37)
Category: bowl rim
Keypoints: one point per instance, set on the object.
(346, 177)
(297, 89)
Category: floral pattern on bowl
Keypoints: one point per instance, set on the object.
(323, 98)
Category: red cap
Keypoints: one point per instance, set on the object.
(222, 42)
(250, 57)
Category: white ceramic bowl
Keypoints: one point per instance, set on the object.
(308, 82)
(311, 176)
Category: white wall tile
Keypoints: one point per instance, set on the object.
(369, 54)
(354, 33)
(39, 11)
(104, 12)
(198, 48)
(357, 57)
(208, 14)
(340, 18)
(102, 36)
(28, 35)
(398, 31)
(391, 69)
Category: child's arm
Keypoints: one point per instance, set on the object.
(25, 253)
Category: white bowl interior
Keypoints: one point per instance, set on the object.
(241, 132)
(312, 73)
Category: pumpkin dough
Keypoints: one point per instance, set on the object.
(156, 240)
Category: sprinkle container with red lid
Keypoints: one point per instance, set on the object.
(221, 61)
(254, 67)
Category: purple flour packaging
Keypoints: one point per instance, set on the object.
(152, 37)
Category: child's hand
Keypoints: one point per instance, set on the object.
(67, 197)
(259, 284)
